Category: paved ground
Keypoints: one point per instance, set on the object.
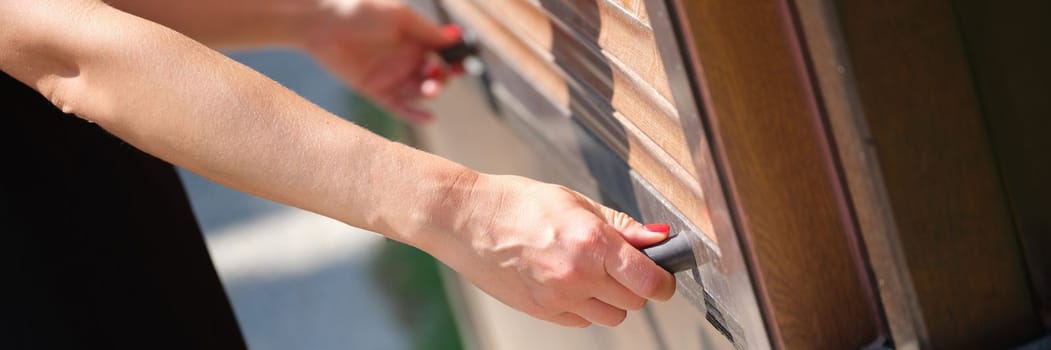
(296, 280)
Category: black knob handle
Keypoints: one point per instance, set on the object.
(458, 51)
(673, 254)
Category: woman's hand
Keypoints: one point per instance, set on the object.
(540, 248)
(381, 48)
(553, 253)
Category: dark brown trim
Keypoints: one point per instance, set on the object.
(831, 72)
(919, 102)
(787, 206)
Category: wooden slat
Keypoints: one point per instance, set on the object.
(637, 8)
(1007, 47)
(607, 29)
(868, 196)
(918, 98)
(629, 60)
(771, 147)
(616, 32)
(607, 115)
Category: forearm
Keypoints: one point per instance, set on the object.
(540, 248)
(187, 104)
(232, 23)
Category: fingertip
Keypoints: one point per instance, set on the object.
(658, 227)
(431, 88)
(427, 31)
(452, 32)
(569, 319)
(414, 115)
(665, 287)
(641, 236)
(433, 71)
(423, 118)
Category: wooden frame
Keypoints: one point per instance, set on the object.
(780, 173)
(833, 153)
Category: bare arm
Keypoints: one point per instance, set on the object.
(540, 248)
(378, 47)
(182, 102)
(234, 23)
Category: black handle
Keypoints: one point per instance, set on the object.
(673, 254)
(458, 51)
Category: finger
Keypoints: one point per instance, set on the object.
(409, 92)
(633, 232)
(434, 69)
(425, 31)
(567, 319)
(413, 114)
(430, 88)
(596, 311)
(627, 265)
(615, 294)
(395, 74)
(405, 110)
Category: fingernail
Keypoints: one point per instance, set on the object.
(430, 88)
(662, 228)
(452, 32)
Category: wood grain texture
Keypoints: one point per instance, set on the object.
(637, 8)
(617, 113)
(777, 166)
(919, 101)
(600, 26)
(868, 196)
(1006, 43)
(607, 53)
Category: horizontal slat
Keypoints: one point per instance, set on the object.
(636, 8)
(617, 32)
(607, 28)
(646, 157)
(600, 72)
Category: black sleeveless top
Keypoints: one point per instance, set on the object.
(98, 245)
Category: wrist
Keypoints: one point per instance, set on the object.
(466, 213)
(445, 211)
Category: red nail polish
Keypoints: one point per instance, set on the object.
(456, 68)
(452, 32)
(662, 228)
(433, 72)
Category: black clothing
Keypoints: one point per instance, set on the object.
(99, 246)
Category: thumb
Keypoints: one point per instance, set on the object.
(634, 233)
(427, 32)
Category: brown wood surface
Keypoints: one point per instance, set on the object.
(1007, 44)
(608, 52)
(637, 8)
(490, 325)
(777, 164)
(618, 113)
(920, 104)
(832, 71)
(614, 31)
